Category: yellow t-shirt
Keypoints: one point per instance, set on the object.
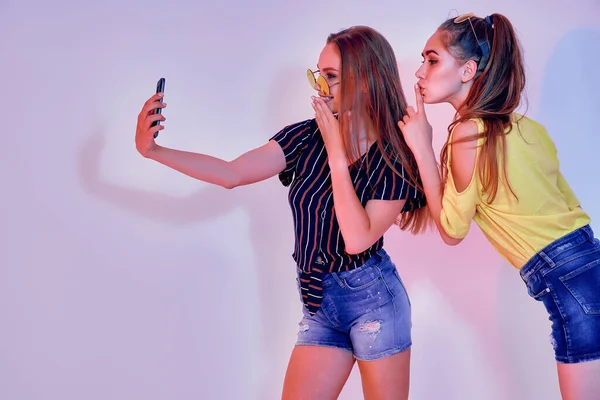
(545, 208)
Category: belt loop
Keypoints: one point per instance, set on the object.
(380, 256)
(588, 232)
(548, 260)
(337, 279)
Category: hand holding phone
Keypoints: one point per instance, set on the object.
(160, 87)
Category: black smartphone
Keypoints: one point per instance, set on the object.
(160, 87)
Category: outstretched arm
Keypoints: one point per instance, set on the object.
(253, 166)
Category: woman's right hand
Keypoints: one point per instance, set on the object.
(144, 133)
(416, 129)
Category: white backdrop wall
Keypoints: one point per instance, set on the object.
(122, 279)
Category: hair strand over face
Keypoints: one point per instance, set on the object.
(371, 90)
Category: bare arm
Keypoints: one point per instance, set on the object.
(418, 134)
(253, 166)
(360, 226)
(462, 166)
(432, 185)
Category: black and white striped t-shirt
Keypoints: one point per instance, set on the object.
(319, 247)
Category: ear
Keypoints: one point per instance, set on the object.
(469, 69)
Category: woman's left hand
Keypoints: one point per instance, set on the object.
(330, 130)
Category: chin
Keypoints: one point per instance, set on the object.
(430, 100)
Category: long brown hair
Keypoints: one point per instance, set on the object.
(495, 92)
(371, 90)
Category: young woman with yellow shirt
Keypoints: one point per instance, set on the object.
(501, 170)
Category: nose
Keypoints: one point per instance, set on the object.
(420, 73)
(317, 87)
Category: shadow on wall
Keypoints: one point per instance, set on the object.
(569, 110)
(265, 203)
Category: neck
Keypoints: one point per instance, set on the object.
(360, 141)
(460, 97)
(366, 137)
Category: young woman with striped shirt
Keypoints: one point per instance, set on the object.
(350, 177)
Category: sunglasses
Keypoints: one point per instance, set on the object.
(324, 87)
(483, 45)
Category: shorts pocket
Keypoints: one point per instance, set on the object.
(584, 285)
(537, 286)
(538, 296)
(360, 279)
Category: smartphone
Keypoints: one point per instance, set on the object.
(160, 87)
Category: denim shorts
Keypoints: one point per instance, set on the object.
(365, 310)
(565, 276)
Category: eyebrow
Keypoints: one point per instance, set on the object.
(428, 52)
(326, 69)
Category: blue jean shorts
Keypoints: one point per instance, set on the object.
(565, 276)
(365, 310)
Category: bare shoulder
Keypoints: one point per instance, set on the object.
(465, 130)
(463, 154)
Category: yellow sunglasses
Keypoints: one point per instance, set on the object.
(322, 82)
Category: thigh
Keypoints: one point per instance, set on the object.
(316, 372)
(580, 381)
(386, 378)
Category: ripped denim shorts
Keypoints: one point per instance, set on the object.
(365, 310)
